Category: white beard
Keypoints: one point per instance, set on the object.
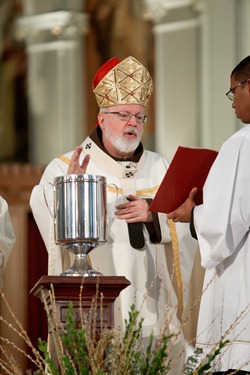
(121, 143)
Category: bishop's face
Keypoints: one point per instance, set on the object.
(121, 134)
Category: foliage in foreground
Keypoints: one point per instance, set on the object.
(108, 354)
(80, 349)
(193, 367)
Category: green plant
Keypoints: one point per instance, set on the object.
(78, 349)
(195, 366)
(82, 353)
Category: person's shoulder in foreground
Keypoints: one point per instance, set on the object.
(7, 236)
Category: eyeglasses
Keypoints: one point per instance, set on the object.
(230, 93)
(126, 116)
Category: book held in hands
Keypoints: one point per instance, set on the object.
(189, 168)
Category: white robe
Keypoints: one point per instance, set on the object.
(7, 236)
(146, 269)
(222, 226)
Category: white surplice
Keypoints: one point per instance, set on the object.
(222, 226)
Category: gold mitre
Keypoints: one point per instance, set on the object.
(122, 82)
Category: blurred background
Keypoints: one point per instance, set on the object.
(49, 53)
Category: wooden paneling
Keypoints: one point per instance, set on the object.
(28, 261)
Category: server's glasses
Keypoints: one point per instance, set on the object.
(230, 93)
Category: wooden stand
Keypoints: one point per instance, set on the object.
(103, 290)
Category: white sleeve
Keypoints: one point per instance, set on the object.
(7, 236)
(41, 203)
(41, 199)
(222, 221)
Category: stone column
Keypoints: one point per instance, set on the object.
(54, 35)
(192, 73)
(176, 73)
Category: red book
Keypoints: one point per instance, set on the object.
(188, 169)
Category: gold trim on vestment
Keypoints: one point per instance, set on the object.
(139, 193)
(148, 191)
(119, 191)
(177, 264)
(114, 189)
(64, 159)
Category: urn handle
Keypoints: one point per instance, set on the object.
(45, 198)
